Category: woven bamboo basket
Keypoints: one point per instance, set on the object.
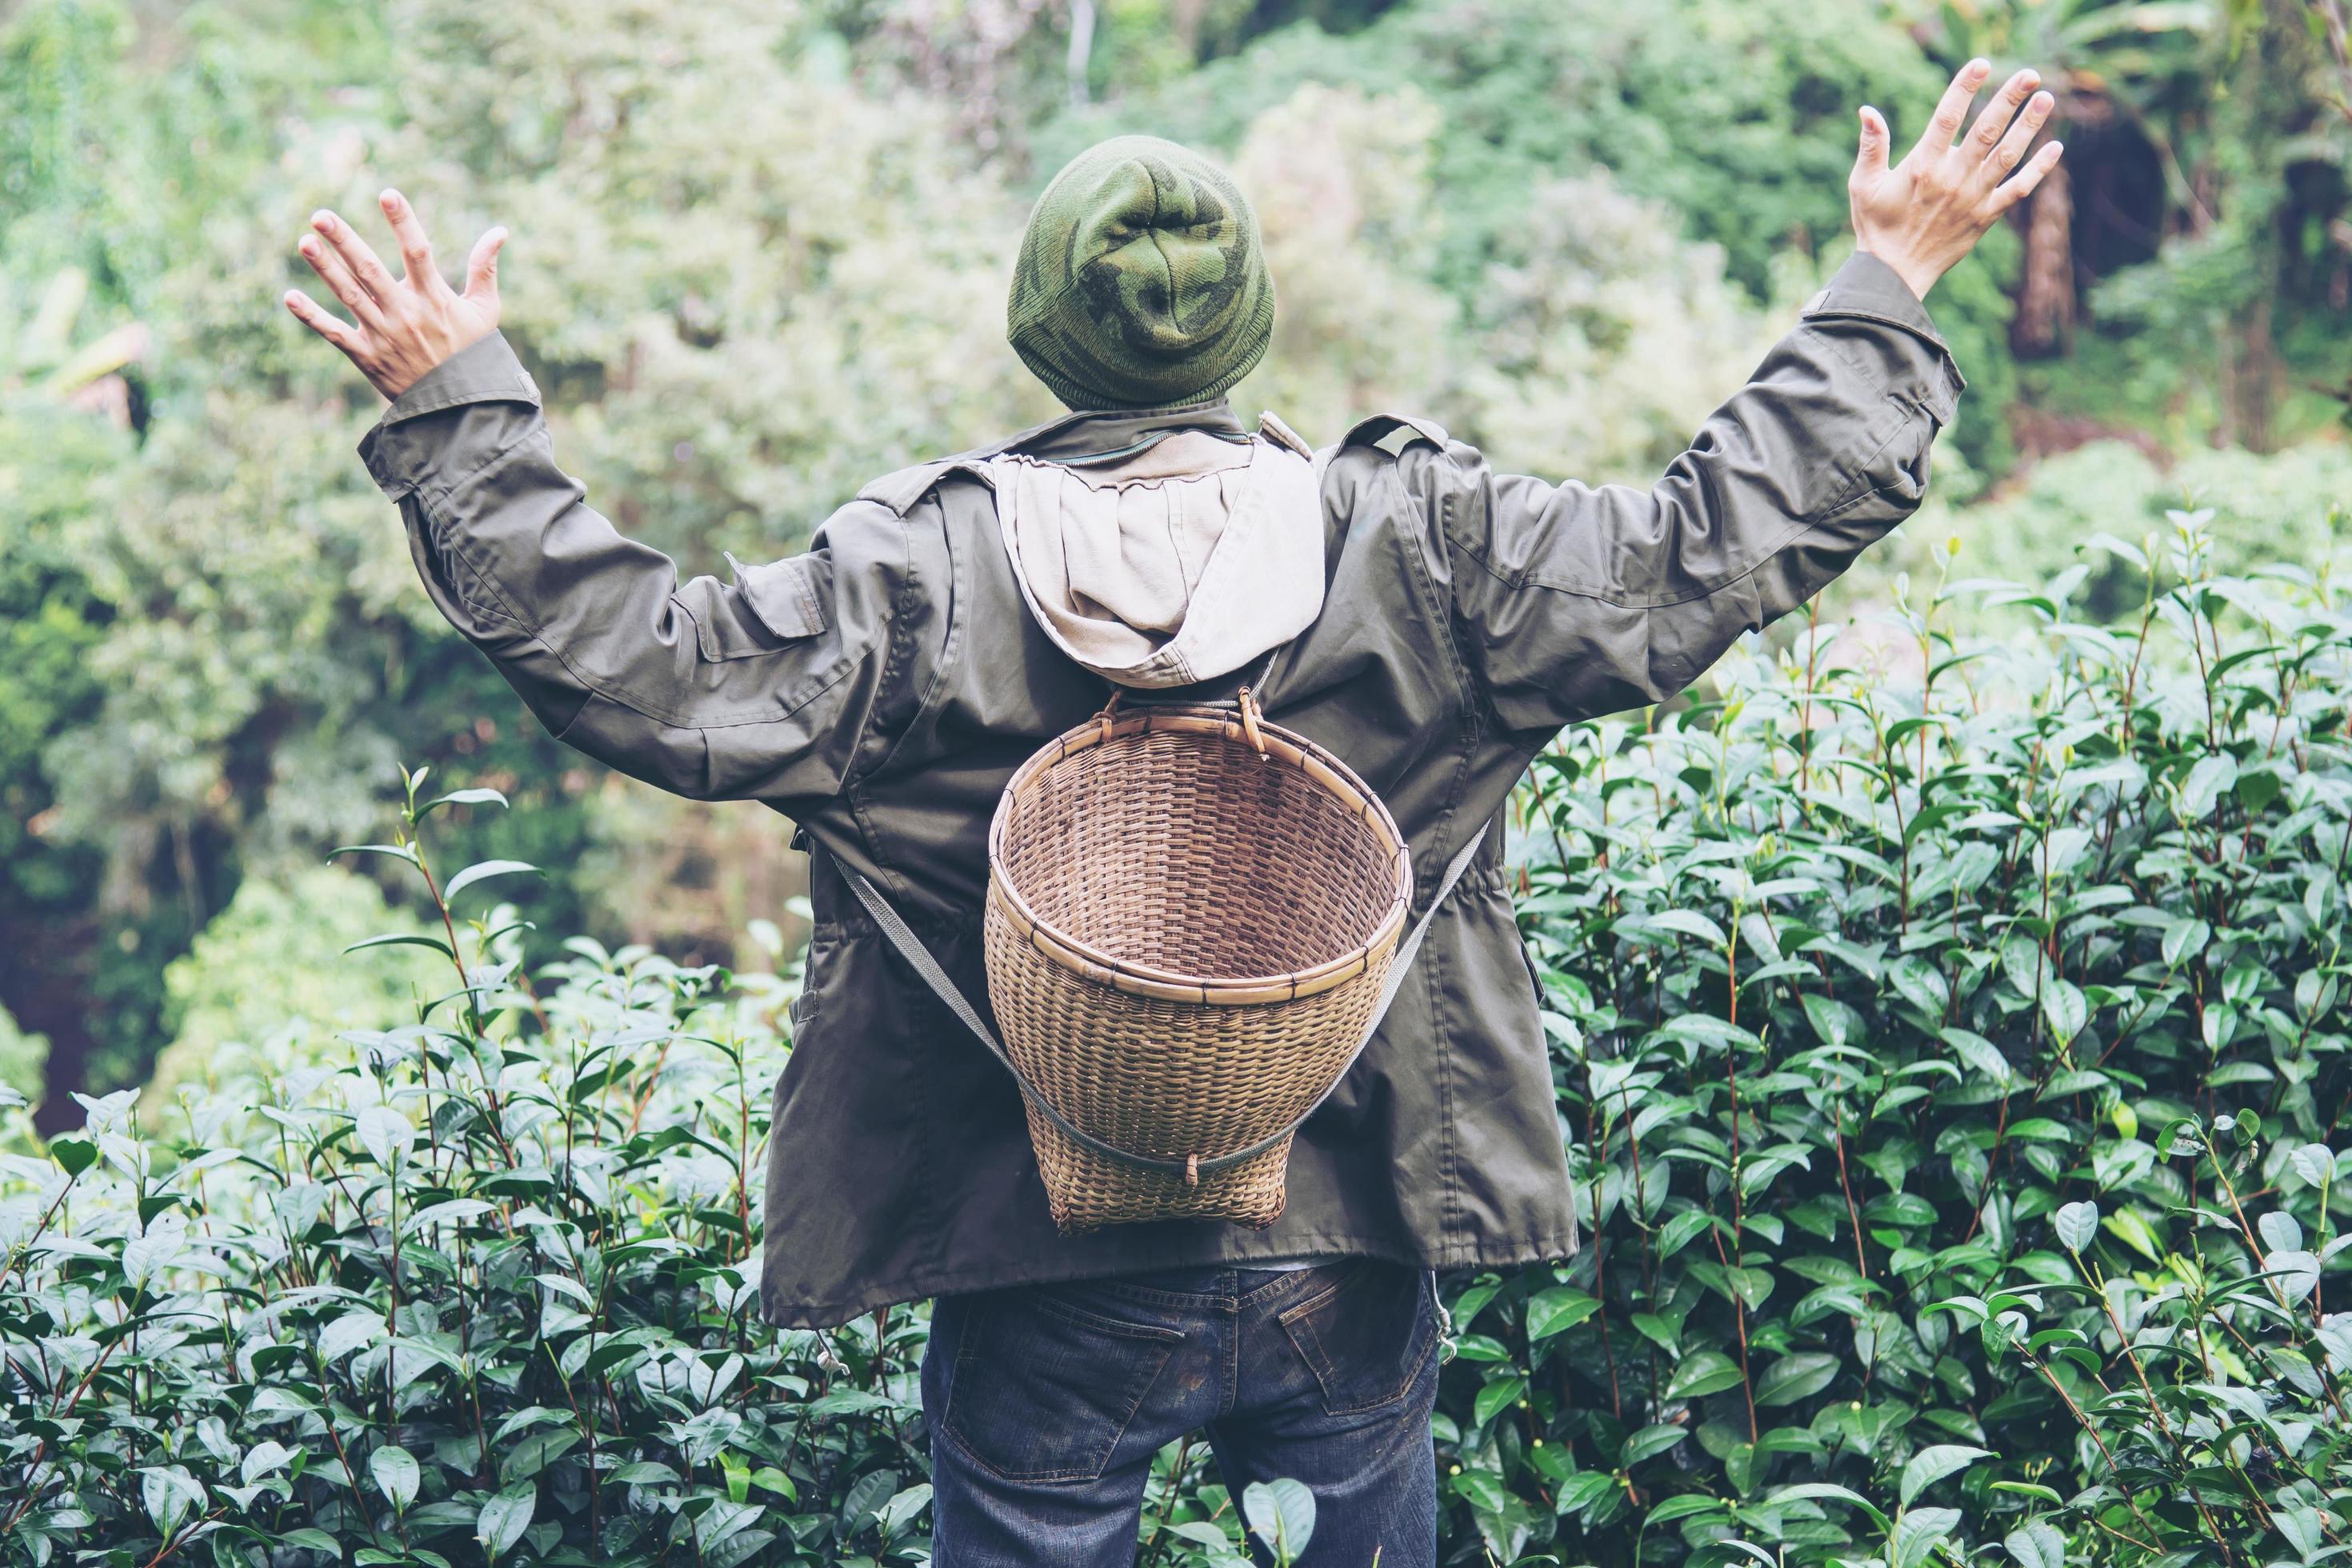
(1189, 915)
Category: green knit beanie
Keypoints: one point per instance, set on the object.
(1141, 280)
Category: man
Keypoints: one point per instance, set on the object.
(881, 687)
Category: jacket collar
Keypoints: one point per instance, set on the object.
(1086, 437)
(1095, 435)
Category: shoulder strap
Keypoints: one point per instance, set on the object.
(910, 948)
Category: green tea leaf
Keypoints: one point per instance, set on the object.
(2077, 1223)
(1701, 1374)
(1558, 1310)
(1281, 1514)
(1497, 1396)
(1932, 1463)
(504, 1518)
(482, 871)
(1796, 1377)
(397, 1476)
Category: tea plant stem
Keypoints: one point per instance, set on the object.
(177, 1537)
(2101, 1443)
(1846, 1183)
(1902, 828)
(2119, 1535)
(25, 1248)
(449, 926)
(2198, 621)
(1601, 1243)
(482, 1432)
(2000, 1141)
(1174, 1486)
(40, 1451)
(334, 1435)
(538, 1010)
(2123, 1342)
(2319, 1318)
(2262, 1258)
(1633, 1209)
(1740, 1323)
(1805, 705)
(1739, 1207)
(1642, 1224)
(652, 1081)
(744, 1150)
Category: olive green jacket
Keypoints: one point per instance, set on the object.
(880, 687)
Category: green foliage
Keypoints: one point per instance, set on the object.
(1733, 124)
(2287, 505)
(1596, 342)
(274, 961)
(482, 1289)
(22, 1057)
(1942, 1067)
(1949, 1075)
(749, 287)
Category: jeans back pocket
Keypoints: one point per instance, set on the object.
(1365, 1335)
(1043, 1390)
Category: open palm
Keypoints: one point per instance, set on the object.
(400, 327)
(1924, 214)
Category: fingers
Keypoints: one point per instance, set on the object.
(1944, 127)
(1870, 158)
(2020, 186)
(482, 269)
(356, 255)
(2010, 150)
(333, 272)
(320, 320)
(416, 250)
(2002, 110)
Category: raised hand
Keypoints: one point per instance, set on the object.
(1926, 212)
(403, 327)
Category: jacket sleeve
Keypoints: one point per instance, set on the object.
(1572, 600)
(758, 688)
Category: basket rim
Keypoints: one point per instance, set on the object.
(1136, 979)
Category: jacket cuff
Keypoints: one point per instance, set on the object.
(399, 452)
(1865, 289)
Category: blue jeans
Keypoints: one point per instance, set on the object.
(1047, 1403)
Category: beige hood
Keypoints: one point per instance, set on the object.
(1184, 561)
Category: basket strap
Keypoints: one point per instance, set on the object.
(910, 948)
(1192, 1168)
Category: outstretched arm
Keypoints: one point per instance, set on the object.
(1576, 601)
(758, 688)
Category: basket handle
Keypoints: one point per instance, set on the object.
(1191, 1167)
(1248, 701)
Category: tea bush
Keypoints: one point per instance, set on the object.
(1948, 1065)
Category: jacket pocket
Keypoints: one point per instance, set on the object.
(766, 609)
(1366, 1336)
(1041, 1389)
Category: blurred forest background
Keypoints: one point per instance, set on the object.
(759, 251)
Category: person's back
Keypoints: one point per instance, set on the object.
(1432, 623)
